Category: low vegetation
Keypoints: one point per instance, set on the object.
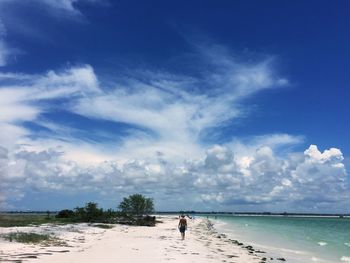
(23, 237)
(90, 213)
(133, 210)
(25, 219)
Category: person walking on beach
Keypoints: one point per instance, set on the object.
(182, 226)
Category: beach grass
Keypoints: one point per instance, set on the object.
(23, 237)
(12, 220)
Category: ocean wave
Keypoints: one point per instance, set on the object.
(345, 259)
(279, 250)
(321, 243)
(347, 244)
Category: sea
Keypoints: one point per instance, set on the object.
(298, 239)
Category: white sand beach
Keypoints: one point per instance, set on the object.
(84, 243)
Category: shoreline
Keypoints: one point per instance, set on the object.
(278, 245)
(87, 243)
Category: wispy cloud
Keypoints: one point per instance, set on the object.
(166, 118)
(21, 96)
(177, 110)
(67, 6)
(5, 51)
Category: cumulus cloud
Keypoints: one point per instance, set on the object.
(163, 151)
(219, 177)
(263, 177)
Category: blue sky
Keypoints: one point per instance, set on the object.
(234, 106)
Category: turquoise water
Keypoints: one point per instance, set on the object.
(298, 239)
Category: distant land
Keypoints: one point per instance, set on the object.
(207, 213)
(257, 213)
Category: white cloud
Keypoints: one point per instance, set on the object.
(166, 113)
(312, 176)
(275, 140)
(163, 151)
(81, 80)
(68, 6)
(331, 155)
(12, 22)
(21, 97)
(174, 110)
(240, 79)
(218, 177)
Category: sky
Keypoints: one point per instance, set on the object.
(200, 105)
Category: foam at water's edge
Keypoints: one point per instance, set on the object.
(321, 243)
(281, 245)
(345, 259)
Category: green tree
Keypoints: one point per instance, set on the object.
(92, 211)
(79, 213)
(136, 204)
(66, 213)
(89, 213)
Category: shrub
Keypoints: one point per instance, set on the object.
(136, 205)
(27, 237)
(93, 212)
(66, 213)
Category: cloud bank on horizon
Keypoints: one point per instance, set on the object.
(69, 131)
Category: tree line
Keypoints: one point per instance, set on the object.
(134, 210)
